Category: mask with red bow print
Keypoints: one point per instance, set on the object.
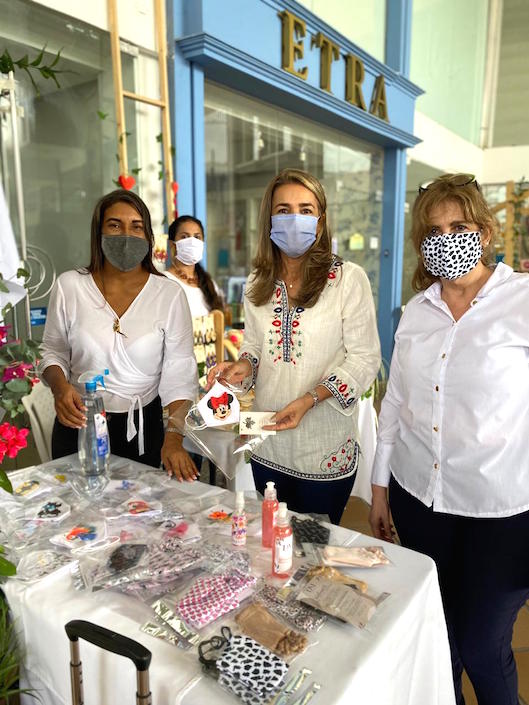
(219, 406)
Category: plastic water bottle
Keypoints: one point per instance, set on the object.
(94, 442)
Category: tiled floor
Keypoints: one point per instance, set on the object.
(356, 517)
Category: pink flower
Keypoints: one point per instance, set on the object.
(3, 334)
(18, 371)
(12, 440)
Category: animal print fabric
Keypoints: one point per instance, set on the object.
(301, 616)
(452, 255)
(251, 671)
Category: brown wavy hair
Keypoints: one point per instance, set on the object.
(205, 281)
(97, 258)
(475, 209)
(267, 265)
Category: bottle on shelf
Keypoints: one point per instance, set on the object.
(239, 521)
(269, 514)
(282, 544)
(94, 442)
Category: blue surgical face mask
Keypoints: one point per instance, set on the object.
(293, 233)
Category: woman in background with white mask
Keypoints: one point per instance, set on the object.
(311, 347)
(186, 236)
(452, 440)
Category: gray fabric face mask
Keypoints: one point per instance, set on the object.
(124, 252)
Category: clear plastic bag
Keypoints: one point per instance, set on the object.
(140, 563)
(339, 600)
(214, 429)
(346, 556)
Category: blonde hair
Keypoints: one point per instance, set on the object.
(267, 264)
(474, 207)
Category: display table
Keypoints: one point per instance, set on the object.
(401, 658)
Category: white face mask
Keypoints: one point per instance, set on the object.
(189, 250)
(219, 406)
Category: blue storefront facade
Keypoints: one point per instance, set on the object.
(259, 85)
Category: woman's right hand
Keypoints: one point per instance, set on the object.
(233, 372)
(69, 406)
(379, 514)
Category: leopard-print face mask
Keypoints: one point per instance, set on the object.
(452, 255)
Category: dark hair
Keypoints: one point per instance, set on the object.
(97, 257)
(205, 282)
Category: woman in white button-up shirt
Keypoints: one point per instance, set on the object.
(120, 314)
(311, 344)
(453, 432)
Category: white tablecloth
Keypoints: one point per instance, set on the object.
(401, 658)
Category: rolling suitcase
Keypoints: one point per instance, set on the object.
(110, 641)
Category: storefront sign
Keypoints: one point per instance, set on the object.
(293, 32)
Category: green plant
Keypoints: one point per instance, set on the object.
(10, 657)
(7, 64)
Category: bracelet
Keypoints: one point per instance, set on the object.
(315, 398)
(172, 429)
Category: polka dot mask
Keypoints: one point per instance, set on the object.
(452, 255)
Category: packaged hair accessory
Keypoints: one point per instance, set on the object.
(346, 556)
(256, 621)
(338, 600)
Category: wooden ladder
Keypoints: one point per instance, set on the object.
(162, 103)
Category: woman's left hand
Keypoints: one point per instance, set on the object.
(177, 460)
(291, 415)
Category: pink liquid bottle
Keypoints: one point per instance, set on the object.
(282, 544)
(269, 515)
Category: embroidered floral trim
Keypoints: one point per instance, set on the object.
(284, 337)
(333, 271)
(340, 390)
(336, 469)
(340, 460)
(254, 362)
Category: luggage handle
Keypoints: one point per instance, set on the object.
(110, 641)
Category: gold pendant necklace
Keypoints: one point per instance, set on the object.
(116, 326)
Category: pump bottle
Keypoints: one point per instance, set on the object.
(269, 514)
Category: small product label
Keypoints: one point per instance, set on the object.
(238, 529)
(274, 518)
(100, 422)
(283, 554)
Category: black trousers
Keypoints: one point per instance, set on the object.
(306, 496)
(64, 439)
(483, 567)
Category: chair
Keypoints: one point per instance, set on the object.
(40, 407)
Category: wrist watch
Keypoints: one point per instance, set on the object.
(315, 398)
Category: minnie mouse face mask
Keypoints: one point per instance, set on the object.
(219, 407)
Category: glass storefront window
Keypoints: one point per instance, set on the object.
(246, 144)
(68, 152)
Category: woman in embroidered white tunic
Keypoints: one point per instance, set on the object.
(311, 343)
(120, 314)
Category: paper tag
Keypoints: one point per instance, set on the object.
(251, 423)
(219, 406)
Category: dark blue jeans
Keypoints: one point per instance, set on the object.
(306, 496)
(483, 567)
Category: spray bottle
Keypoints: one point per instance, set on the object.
(239, 521)
(269, 514)
(94, 442)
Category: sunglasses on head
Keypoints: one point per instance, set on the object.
(457, 180)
